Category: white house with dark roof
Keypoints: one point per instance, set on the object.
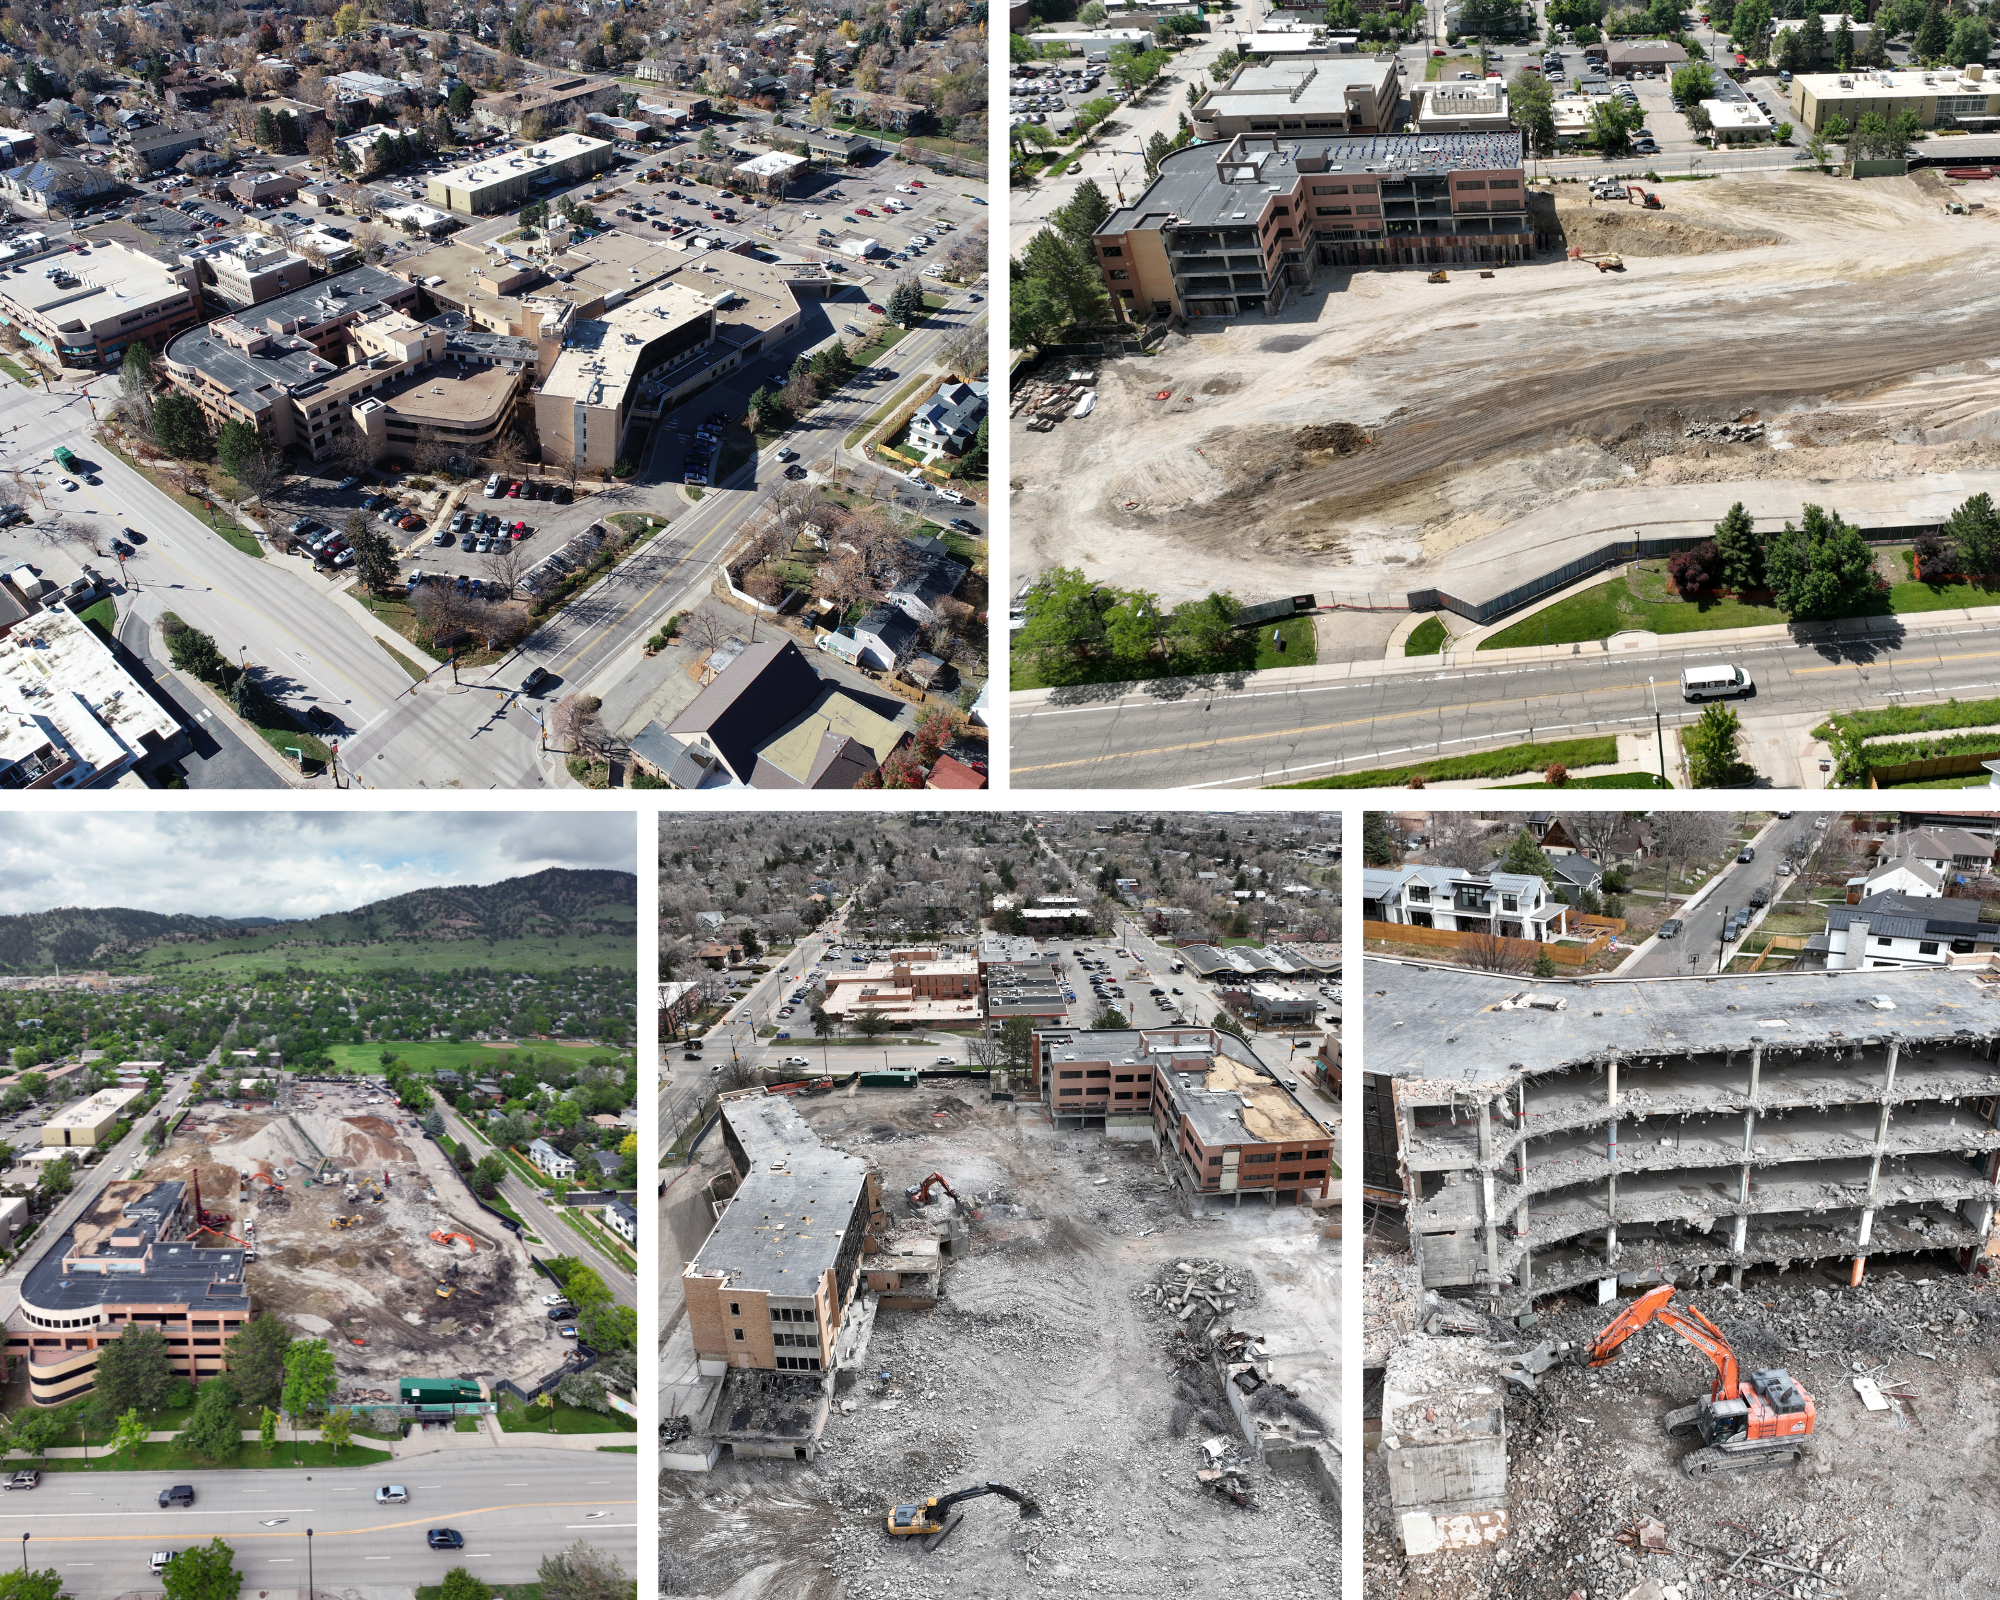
(551, 1160)
(949, 421)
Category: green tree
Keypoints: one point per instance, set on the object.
(267, 1428)
(1933, 34)
(130, 1433)
(871, 1024)
(459, 1584)
(1528, 858)
(766, 409)
(1086, 210)
(487, 1175)
(1822, 568)
(1971, 39)
(905, 305)
(1973, 531)
(256, 1357)
(1741, 550)
(1203, 632)
(375, 560)
(1069, 269)
(1545, 966)
(608, 1327)
(34, 1427)
(133, 1370)
(308, 1377)
(583, 1572)
(266, 133)
(211, 1430)
(18, 1584)
(1035, 315)
(336, 1428)
(179, 427)
(1750, 23)
(459, 103)
(1693, 83)
(1064, 628)
(1531, 98)
(1107, 1018)
(203, 1572)
(1378, 844)
(1710, 746)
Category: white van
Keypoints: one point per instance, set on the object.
(493, 487)
(1714, 683)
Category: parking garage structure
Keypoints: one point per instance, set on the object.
(1558, 1133)
(129, 1261)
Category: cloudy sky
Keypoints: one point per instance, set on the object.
(286, 865)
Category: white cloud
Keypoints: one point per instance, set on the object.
(279, 864)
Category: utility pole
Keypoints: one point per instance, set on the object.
(1659, 735)
(1722, 939)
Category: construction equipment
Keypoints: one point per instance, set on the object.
(1757, 1423)
(1440, 276)
(927, 1520)
(1640, 196)
(338, 1224)
(441, 1237)
(919, 1194)
(445, 1290)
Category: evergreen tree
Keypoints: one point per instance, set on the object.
(179, 427)
(1821, 568)
(1741, 550)
(1973, 531)
(1933, 34)
(1529, 859)
(1378, 844)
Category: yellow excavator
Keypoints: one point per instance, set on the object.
(927, 1520)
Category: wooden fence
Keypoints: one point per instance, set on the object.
(1962, 765)
(1522, 951)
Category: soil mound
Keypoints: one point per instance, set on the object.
(1342, 438)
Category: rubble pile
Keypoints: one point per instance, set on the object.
(1727, 432)
(1047, 400)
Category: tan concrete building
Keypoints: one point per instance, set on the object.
(1235, 228)
(85, 1125)
(514, 177)
(586, 400)
(553, 103)
(127, 1262)
(1940, 99)
(1309, 94)
(84, 309)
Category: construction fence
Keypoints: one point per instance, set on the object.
(1505, 952)
(1962, 765)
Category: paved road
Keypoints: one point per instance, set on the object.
(513, 1506)
(550, 1223)
(1698, 946)
(1252, 731)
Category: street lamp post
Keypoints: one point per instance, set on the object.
(309, 1564)
(24, 1553)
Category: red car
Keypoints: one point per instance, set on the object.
(863, 211)
(521, 530)
(513, 491)
(918, 183)
(872, 306)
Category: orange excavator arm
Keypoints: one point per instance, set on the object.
(1688, 1322)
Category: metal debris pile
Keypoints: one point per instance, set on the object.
(1729, 432)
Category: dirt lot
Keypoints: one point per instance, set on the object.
(1484, 399)
(1893, 1504)
(1043, 1368)
(370, 1289)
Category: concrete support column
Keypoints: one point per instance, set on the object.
(1867, 1227)
(1738, 1235)
(1756, 1066)
(1882, 1123)
(1491, 1226)
(1611, 1243)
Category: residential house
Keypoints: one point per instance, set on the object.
(1513, 905)
(1897, 930)
(881, 111)
(622, 1220)
(948, 422)
(884, 637)
(551, 1160)
(935, 577)
(1576, 876)
(604, 1165)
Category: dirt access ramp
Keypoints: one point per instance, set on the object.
(1483, 399)
(370, 1288)
(1042, 1367)
(1893, 1504)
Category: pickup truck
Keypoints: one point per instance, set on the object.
(27, 1478)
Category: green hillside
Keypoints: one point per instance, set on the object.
(241, 957)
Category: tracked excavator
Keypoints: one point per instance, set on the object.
(919, 1194)
(927, 1520)
(1755, 1422)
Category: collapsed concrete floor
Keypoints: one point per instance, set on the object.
(1046, 1366)
(369, 1289)
(1890, 1503)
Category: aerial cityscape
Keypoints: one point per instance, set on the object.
(954, 1102)
(349, 1196)
(417, 398)
(1367, 424)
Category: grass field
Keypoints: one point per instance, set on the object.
(1426, 638)
(238, 957)
(568, 1419)
(1607, 780)
(429, 1055)
(169, 1457)
(1502, 763)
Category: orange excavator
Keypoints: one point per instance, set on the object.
(919, 1194)
(442, 1237)
(1757, 1422)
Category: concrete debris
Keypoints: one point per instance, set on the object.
(1729, 432)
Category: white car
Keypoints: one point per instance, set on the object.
(555, 1299)
(797, 1061)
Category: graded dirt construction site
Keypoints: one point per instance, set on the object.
(1895, 1503)
(1467, 405)
(1048, 1365)
(369, 1287)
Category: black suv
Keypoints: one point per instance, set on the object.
(182, 1494)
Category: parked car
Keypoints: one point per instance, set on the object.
(1670, 928)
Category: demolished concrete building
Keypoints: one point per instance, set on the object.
(1560, 1133)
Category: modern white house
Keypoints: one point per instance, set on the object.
(1513, 905)
(551, 1160)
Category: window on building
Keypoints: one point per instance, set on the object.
(735, 1309)
(1927, 947)
(1329, 188)
(1215, 1161)
(1112, 250)
(1077, 1074)
(1506, 183)
(1119, 274)
(1885, 943)
(738, 1332)
(1258, 1157)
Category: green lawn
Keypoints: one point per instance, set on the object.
(1301, 644)
(16, 373)
(104, 614)
(429, 1055)
(169, 1457)
(618, 1449)
(416, 672)
(567, 1419)
(883, 412)
(1427, 638)
(1503, 763)
(246, 955)
(231, 531)
(1606, 780)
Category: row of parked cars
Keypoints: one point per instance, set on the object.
(500, 488)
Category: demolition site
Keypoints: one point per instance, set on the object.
(1681, 1288)
(355, 1228)
(922, 1341)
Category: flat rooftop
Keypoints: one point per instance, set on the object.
(1476, 1029)
(439, 394)
(122, 1231)
(604, 353)
(1233, 1102)
(1297, 85)
(112, 280)
(524, 162)
(783, 1229)
(60, 684)
(88, 1113)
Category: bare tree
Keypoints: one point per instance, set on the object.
(54, 533)
(1489, 952)
(502, 565)
(1594, 830)
(1458, 840)
(983, 1050)
(842, 579)
(444, 611)
(965, 352)
(577, 720)
(1683, 836)
(704, 631)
